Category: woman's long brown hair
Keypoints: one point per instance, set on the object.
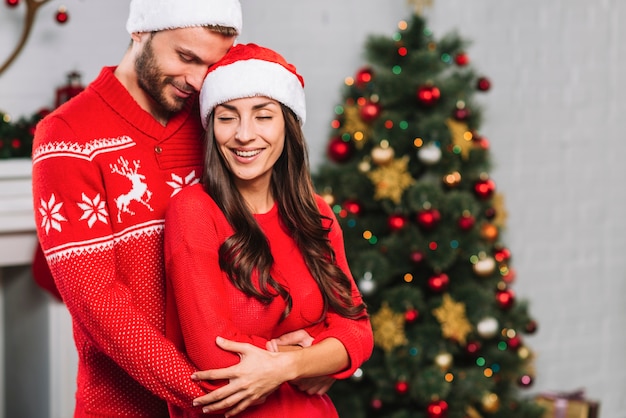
(247, 252)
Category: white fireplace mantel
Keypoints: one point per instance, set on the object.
(17, 224)
(37, 355)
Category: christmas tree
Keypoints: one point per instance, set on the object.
(408, 177)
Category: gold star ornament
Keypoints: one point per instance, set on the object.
(388, 327)
(451, 316)
(391, 180)
(420, 5)
(461, 137)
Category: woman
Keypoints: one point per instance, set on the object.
(253, 253)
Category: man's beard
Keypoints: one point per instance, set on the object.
(151, 81)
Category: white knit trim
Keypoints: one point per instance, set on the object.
(250, 78)
(154, 15)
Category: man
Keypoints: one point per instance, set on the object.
(105, 165)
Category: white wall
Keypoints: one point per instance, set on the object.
(552, 117)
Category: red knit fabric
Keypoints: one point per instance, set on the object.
(103, 173)
(203, 304)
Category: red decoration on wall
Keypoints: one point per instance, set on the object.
(71, 89)
(62, 15)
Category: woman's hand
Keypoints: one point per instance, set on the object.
(296, 340)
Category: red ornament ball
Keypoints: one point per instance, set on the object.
(411, 315)
(428, 218)
(396, 222)
(531, 327)
(483, 84)
(514, 343)
(364, 76)
(484, 188)
(505, 298)
(437, 409)
(502, 254)
(339, 150)
(461, 59)
(12, 3)
(428, 95)
(16, 143)
(439, 282)
(370, 111)
(352, 206)
(402, 387)
(62, 16)
(466, 222)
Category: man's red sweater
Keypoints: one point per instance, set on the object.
(104, 171)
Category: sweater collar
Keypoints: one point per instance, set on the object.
(109, 88)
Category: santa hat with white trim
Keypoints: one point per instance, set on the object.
(249, 70)
(156, 15)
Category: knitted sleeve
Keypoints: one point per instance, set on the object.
(195, 228)
(74, 226)
(356, 335)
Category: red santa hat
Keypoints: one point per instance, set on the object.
(249, 70)
(155, 15)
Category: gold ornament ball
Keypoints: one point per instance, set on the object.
(444, 361)
(382, 156)
(490, 402)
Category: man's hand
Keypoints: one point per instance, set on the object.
(256, 376)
